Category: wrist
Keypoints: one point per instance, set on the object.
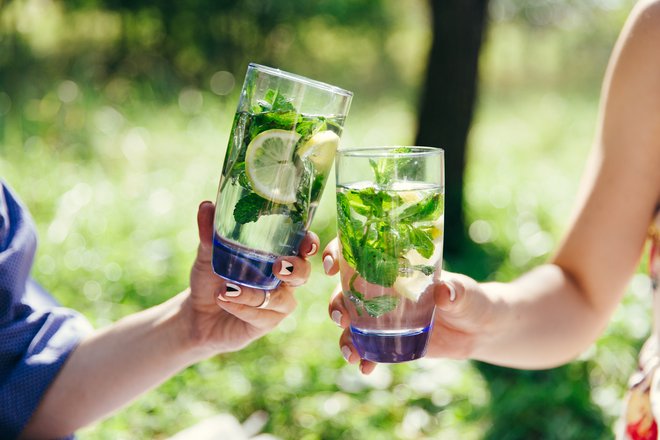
(493, 320)
(189, 341)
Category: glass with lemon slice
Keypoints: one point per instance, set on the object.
(390, 218)
(281, 149)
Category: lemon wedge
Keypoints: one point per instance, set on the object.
(320, 150)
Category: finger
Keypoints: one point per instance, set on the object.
(338, 313)
(259, 318)
(205, 214)
(449, 293)
(292, 270)
(445, 295)
(348, 351)
(280, 300)
(331, 257)
(367, 367)
(309, 245)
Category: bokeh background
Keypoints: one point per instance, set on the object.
(114, 118)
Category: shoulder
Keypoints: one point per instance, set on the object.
(634, 72)
(643, 26)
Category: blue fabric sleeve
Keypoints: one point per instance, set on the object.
(36, 335)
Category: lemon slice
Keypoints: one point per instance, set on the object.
(438, 230)
(320, 150)
(414, 284)
(269, 165)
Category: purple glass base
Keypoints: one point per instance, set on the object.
(248, 269)
(389, 348)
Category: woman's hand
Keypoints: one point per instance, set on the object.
(225, 316)
(464, 315)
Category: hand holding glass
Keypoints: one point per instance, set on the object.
(390, 217)
(281, 149)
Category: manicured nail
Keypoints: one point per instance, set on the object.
(452, 292)
(336, 317)
(327, 263)
(346, 352)
(232, 290)
(287, 268)
(313, 249)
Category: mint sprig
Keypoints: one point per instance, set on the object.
(374, 307)
(375, 238)
(274, 111)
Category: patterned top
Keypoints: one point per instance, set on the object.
(642, 410)
(36, 334)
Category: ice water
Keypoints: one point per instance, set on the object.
(391, 253)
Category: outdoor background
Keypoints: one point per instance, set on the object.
(114, 118)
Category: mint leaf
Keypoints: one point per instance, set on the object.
(282, 104)
(349, 235)
(429, 208)
(377, 267)
(371, 202)
(356, 204)
(374, 307)
(269, 120)
(308, 128)
(249, 208)
(422, 242)
(385, 169)
(274, 101)
(425, 269)
(380, 305)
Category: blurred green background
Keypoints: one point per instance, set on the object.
(114, 118)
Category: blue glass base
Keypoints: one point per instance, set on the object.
(389, 347)
(242, 267)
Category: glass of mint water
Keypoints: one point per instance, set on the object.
(281, 148)
(390, 218)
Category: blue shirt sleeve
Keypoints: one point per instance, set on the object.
(36, 334)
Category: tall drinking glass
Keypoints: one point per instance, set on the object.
(281, 148)
(390, 217)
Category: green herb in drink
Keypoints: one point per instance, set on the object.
(378, 227)
(280, 158)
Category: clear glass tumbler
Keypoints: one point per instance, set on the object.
(390, 218)
(281, 148)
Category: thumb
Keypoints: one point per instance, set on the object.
(205, 214)
(451, 294)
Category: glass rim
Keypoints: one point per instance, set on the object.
(388, 151)
(301, 79)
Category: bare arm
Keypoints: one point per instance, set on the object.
(113, 366)
(116, 364)
(552, 313)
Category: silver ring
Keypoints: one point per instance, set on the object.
(264, 304)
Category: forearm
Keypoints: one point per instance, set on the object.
(113, 366)
(540, 320)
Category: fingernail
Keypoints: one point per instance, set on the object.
(452, 292)
(221, 298)
(313, 249)
(346, 352)
(327, 263)
(336, 317)
(232, 290)
(287, 268)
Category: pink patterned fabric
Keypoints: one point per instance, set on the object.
(642, 409)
